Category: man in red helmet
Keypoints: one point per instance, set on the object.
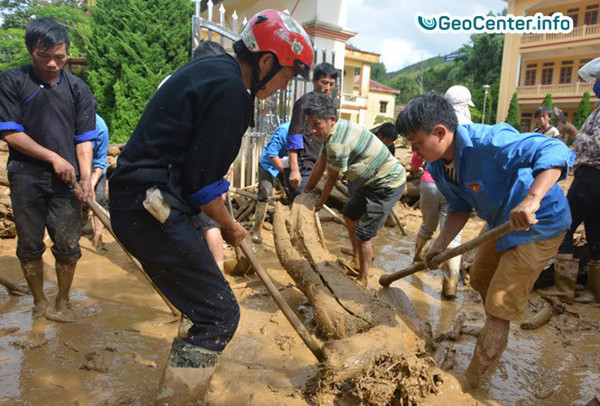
(174, 164)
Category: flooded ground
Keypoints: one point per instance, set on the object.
(116, 353)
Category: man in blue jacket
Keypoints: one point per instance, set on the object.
(504, 176)
(270, 167)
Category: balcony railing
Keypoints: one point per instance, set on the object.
(567, 89)
(353, 100)
(584, 32)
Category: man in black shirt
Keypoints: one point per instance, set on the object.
(47, 118)
(304, 148)
(174, 163)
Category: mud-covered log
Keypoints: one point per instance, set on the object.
(331, 319)
(539, 319)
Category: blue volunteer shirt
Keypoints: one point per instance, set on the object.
(495, 167)
(276, 147)
(100, 145)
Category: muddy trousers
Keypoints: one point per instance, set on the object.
(584, 202)
(177, 259)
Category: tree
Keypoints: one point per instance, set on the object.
(134, 45)
(513, 116)
(378, 72)
(583, 110)
(548, 101)
(13, 52)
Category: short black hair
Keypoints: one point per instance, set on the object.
(424, 112)
(387, 130)
(542, 110)
(45, 33)
(320, 105)
(325, 69)
(206, 48)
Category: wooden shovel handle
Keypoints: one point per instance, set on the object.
(285, 308)
(493, 234)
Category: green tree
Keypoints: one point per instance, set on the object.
(378, 72)
(13, 52)
(583, 110)
(513, 116)
(133, 46)
(548, 101)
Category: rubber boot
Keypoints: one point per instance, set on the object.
(259, 217)
(419, 245)
(187, 375)
(592, 292)
(452, 270)
(565, 280)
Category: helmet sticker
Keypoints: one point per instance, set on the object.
(249, 40)
(297, 47)
(293, 26)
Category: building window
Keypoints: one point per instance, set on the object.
(565, 74)
(591, 15)
(574, 14)
(356, 71)
(383, 106)
(526, 122)
(547, 73)
(530, 77)
(583, 62)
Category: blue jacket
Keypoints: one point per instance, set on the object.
(495, 167)
(275, 147)
(100, 145)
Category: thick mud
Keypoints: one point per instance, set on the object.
(115, 354)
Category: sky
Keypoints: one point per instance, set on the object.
(388, 27)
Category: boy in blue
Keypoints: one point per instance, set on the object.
(504, 176)
(99, 165)
(270, 167)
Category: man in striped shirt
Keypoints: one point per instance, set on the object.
(367, 162)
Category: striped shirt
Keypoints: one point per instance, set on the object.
(362, 157)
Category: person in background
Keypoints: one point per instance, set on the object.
(433, 205)
(303, 148)
(584, 203)
(98, 180)
(542, 117)
(47, 119)
(270, 168)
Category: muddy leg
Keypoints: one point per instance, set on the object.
(97, 240)
(34, 274)
(61, 310)
(365, 255)
(351, 226)
(489, 348)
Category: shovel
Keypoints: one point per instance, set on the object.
(493, 234)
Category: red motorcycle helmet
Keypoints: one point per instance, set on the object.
(277, 32)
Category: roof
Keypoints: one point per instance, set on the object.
(352, 48)
(376, 86)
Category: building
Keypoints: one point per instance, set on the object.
(537, 64)
(364, 99)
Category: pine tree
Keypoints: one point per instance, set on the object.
(583, 111)
(134, 45)
(548, 101)
(513, 116)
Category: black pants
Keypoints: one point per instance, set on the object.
(305, 174)
(584, 202)
(266, 183)
(45, 201)
(177, 259)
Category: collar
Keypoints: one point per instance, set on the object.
(333, 130)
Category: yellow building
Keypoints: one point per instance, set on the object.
(537, 64)
(363, 99)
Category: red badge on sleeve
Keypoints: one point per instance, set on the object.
(474, 186)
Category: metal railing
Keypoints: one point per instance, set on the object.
(269, 113)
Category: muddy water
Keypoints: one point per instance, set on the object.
(557, 364)
(115, 354)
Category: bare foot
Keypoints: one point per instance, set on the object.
(61, 312)
(39, 310)
(363, 283)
